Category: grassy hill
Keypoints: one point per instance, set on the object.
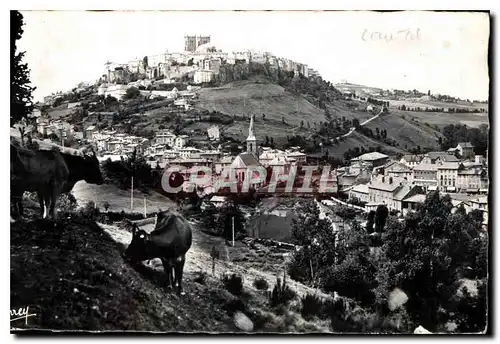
(257, 97)
(406, 132)
(356, 140)
(441, 119)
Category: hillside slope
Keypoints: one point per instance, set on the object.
(72, 276)
(257, 97)
(262, 96)
(356, 139)
(406, 132)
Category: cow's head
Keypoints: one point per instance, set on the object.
(92, 172)
(139, 246)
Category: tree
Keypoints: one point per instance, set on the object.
(263, 116)
(302, 123)
(328, 116)
(283, 119)
(20, 86)
(145, 62)
(353, 275)
(190, 62)
(106, 205)
(132, 92)
(355, 123)
(345, 213)
(426, 256)
(380, 218)
(370, 221)
(317, 241)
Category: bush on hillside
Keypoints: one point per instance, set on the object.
(90, 211)
(261, 284)
(132, 92)
(233, 283)
(200, 277)
(67, 203)
(282, 294)
(312, 305)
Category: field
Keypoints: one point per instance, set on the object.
(357, 88)
(356, 140)
(406, 132)
(60, 111)
(441, 119)
(248, 97)
(423, 103)
(119, 199)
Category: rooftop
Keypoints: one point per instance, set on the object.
(425, 167)
(403, 192)
(445, 156)
(363, 188)
(398, 167)
(448, 166)
(371, 156)
(248, 159)
(386, 185)
(416, 199)
(412, 158)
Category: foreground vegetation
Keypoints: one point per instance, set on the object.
(431, 269)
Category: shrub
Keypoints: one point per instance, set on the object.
(311, 305)
(67, 203)
(106, 205)
(281, 294)
(261, 284)
(235, 305)
(90, 211)
(200, 277)
(233, 283)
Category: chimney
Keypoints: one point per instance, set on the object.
(390, 180)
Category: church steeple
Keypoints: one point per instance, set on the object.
(251, 140)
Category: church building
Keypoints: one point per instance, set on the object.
(248, 158)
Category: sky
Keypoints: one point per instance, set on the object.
(446, 53)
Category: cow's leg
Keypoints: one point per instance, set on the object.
(53, 201)
(179, 267)
(20, 209)
(42, 204)
(17, 202)
(167, 267)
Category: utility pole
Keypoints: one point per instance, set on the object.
(132, 194)
(233, 229)
(145, 212)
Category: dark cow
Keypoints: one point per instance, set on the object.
(169, 241)
(48, 173)
(84, 167)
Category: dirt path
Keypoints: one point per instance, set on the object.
(239, 259)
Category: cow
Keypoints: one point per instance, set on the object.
(49, 173)
(169, 241)
(84, 167)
